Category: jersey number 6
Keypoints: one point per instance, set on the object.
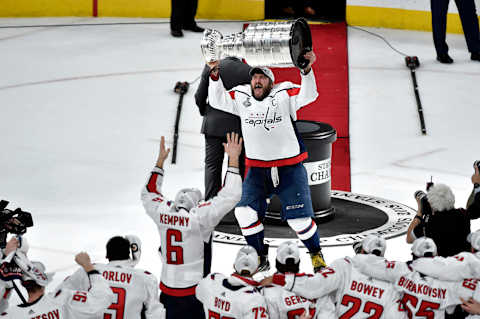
(174, 235)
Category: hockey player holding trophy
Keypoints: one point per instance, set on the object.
(274, 149)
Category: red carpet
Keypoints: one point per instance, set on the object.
(331, 72)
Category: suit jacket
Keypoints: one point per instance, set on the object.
(215, 122)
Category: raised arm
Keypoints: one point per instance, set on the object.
(307, 92)
(211, 212)
(312, 287)
(218, 97)
(379, 268)
(151, 195)
(93, 301)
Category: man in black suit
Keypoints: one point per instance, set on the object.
(468, 15)
(216, 124)
(183, 17)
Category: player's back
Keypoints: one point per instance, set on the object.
(223, 300)
(364, 297)
(424, 296)
(182, 248)
(64, 304)
(133, 288)
(284, 304)
(46, 307)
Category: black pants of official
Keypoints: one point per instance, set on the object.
(214, 154)
(183, 14)
(188, 307)
(468, 16)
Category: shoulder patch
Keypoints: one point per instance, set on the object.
(58, 293)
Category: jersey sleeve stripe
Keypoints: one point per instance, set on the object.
(293, 91)
(152, 183)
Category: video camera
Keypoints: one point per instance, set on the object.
(422, 197)
(14, 222)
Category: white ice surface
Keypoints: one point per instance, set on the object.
(83, 108)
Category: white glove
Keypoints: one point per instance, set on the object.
(135, 248)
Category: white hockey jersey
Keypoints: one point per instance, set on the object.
(284, 304)
(66, 303)
(183, 234)
(135, 290)
(234, 297)
(459, 267)
(267, 127)
(5, 293)
(423, 296)
(356, 295)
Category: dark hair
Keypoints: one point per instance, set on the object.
(118, 248)
(289, 266)
(376, 252)
(245, 273)
(31, 286)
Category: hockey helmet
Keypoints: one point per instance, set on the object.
(188, 198)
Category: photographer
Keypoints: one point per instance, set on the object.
(438, 219)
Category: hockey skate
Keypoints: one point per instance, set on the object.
(264, 264)
(318, 262)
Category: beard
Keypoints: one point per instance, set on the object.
(265, 91)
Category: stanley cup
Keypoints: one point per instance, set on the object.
(280, 44)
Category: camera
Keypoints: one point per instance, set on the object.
(14, 222)
(424, 204)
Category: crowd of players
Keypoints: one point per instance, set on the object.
(365, 285)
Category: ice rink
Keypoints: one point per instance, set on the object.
(83, 109)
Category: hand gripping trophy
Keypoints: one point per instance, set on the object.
(281, 44)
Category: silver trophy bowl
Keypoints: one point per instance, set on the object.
(280, 44)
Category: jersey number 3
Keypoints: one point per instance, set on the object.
(119, 306)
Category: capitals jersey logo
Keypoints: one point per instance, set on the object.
(263, 120)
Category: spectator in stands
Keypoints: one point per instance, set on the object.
(438, 219)
(183, 17)
(468, 15)
(65, 303)
(136, 290)
(216, 123)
